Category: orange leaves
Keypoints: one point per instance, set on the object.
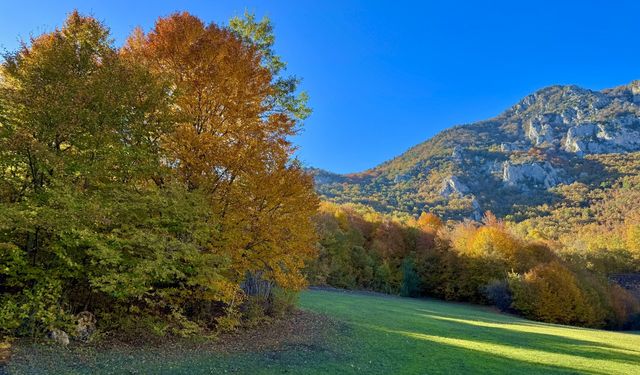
(552, 293)
(429, 222)
(231, 142)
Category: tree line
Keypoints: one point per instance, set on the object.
(485, 263)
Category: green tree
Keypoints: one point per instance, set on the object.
(260, 34)
(410, 279)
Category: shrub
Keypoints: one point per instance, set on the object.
(625, 309)
(283, 301)
(551, 293)
(498, 293)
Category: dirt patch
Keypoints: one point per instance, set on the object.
(301, 331)
(300, 328)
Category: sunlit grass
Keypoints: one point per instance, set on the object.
(427, 336)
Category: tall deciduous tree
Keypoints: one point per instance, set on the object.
(234, 120)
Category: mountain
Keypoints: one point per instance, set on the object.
(512, 164)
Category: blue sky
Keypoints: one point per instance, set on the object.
(384, 76)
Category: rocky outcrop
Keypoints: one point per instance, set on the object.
(581, 139)
(492, 167)
(622, 134)
(401, 178)
(477, 210)
(322, 177)
(530, 175)
(452, 185)
(456, 154)
(59, 337)
(541, 128)
(513, 147)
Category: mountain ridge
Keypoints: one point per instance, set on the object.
(549, 138)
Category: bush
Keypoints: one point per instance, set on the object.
(625, 309)
(498, 293)
(551, 293)
(283, 301)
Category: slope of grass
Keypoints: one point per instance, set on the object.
(397, 335)
(374, 334)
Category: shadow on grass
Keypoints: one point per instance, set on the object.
(514, 345)
(542, 341)
(430, 336)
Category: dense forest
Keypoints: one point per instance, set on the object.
(152, 186)
(489, 262)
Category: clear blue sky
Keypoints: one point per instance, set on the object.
(384, 76)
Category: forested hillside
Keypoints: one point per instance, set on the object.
(534, 211)
(512, 164)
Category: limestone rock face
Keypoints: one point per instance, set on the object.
(322, 177)
(456, 154)
(513, 147)
(619, 135)
(452, 185)
(477, 210)
(581, 121)
(541, 128)
(530, 175)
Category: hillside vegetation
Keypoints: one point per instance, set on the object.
(535, 211)
(511, 164)
(486, 263)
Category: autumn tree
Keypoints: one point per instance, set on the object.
(234, 120)
(144, 184)
(84, 225)
(429, 222)
(552, 293)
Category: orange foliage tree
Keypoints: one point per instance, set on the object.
(231, 141)
(552, 293)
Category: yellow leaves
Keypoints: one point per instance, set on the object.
(461, 237)
(429, 222)
(493, 241)
(551, 293)
(632, 237)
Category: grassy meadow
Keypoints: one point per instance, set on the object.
(372, 334)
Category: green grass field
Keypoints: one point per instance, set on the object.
(381, 335)
(399, 335)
